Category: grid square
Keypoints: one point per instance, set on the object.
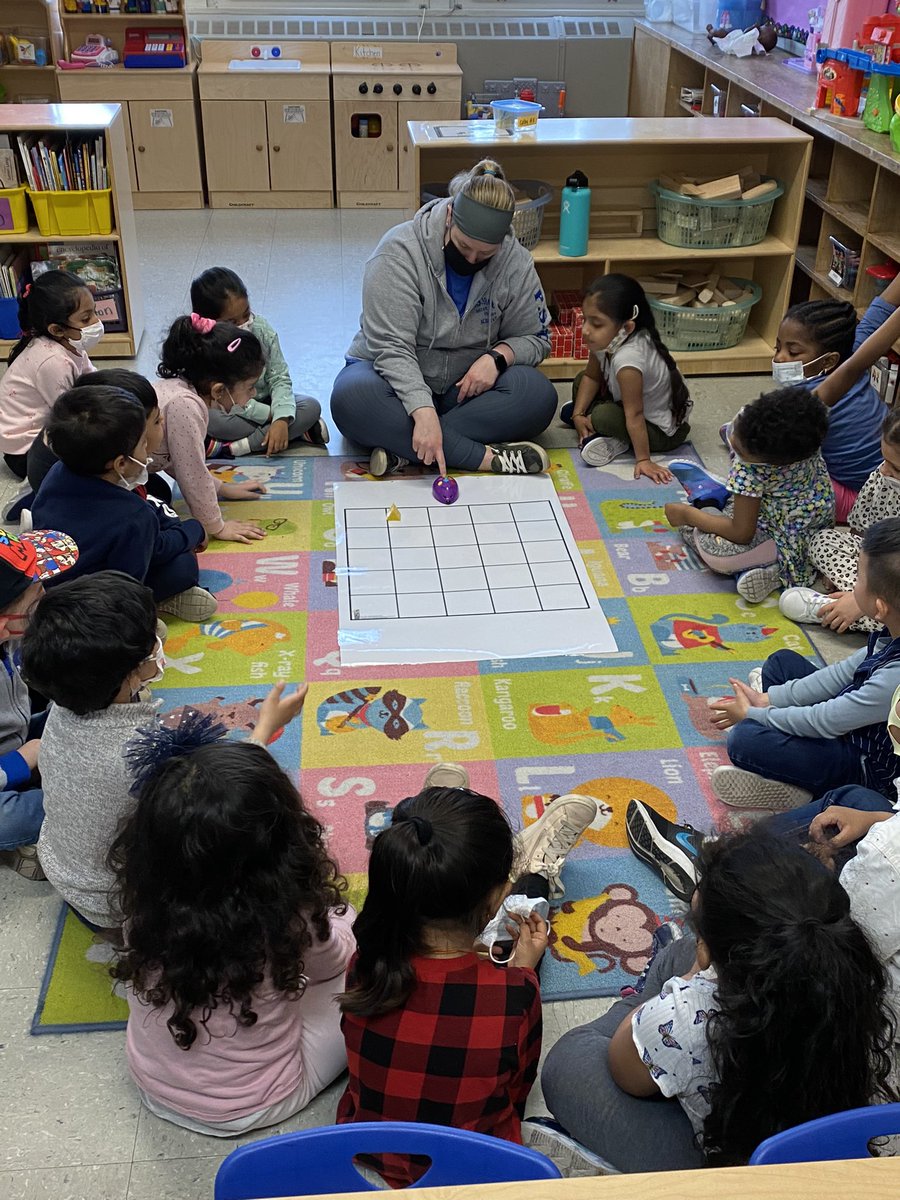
(371, 583)
(499, 531)
(483, 514)
(463, 579)
(415, 535)
(539, 531)
(516, 600)
(506, 554)
(373, 608)
(509, 577)
(364, 518)
(366, 538)
(546, 552)
(449, 514)
(421, 604)
(415, 558)
(453, 535)
(459, 556)
(562, 596)
(368, 560)
(533, 510)
(418, 581)
(553, 573)
(468, 604)
(413, 516)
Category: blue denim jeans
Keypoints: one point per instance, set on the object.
(817, 764)
(797, 821)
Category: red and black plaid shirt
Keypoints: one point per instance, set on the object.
(462, 1051)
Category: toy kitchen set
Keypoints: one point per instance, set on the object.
(377, 88)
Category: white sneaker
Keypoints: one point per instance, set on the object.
(546, 842)
(193, 604)
(802, 604)
(754, 679)
(757, 583)
(745, 789)
(599, 451)
(383, 462)
(446, 775)
(574, 1160)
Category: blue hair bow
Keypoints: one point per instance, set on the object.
(152, 747)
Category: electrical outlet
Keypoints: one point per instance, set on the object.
(522, 85)
(548, 95)
(503, 89)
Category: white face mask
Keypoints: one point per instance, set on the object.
(139, 480)
(248, 324)
(622, 336)
(90, 336)
(794, 371)
(891, 481)
(159, 658)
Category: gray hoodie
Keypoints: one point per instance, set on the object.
(410, 327)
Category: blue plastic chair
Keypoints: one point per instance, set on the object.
(315, 1162)
(840, 1135)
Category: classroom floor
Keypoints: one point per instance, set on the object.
(71, 1123)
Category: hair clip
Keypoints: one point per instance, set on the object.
(203, 325)
(152, 747)
(232, 346)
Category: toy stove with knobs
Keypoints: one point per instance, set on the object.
(377, 88)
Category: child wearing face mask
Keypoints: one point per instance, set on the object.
(206, 365)
(60, 325)
(631, 395)
(91, 648)
(276, 415)
(100, 436)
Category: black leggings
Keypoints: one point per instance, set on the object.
(17, 463)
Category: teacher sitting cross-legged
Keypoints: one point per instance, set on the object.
(454, 324)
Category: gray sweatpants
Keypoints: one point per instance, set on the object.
(520, 406)
(231, 426)
(631, 1133)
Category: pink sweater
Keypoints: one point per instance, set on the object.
(232, 1071)
(182, 453)
(44, 370)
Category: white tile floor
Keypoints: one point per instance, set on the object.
(71, 1124)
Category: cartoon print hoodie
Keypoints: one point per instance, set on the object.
(410, 327)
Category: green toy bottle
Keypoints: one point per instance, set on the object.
(895, 126)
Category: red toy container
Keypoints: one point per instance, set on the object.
(842, 75)
(880, 38)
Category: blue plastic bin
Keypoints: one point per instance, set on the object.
(9, 319)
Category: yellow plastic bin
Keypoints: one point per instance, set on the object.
(13, 210)
(72, 214)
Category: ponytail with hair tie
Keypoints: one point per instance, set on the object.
(423, 827)
(203, 325)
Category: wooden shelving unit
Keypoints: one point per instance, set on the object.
(105, 119)
(24, 82)
(853, 189)
(621, 157)
(160, 107)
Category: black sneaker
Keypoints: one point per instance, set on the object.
(383, 462)
(519, 458)
(317, 435)
(671, 850)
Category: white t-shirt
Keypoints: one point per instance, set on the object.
(639, 352)
(669, 1032)
(872, 881)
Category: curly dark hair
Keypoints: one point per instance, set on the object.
(222, 878)
(781, 427)
(802, 1027)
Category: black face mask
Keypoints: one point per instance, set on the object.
(454, 259)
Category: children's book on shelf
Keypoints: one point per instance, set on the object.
(97, 263)
(68, 162)
(13, 266)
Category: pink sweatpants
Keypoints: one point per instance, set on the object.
(844, 499)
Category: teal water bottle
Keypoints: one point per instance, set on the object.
(575, 216)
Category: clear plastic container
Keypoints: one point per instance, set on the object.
(516, 115)
(694, 15)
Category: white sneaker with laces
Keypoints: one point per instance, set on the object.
(546, 842)
(383, 462)
(744, 789)
(758, 582)
(599, 451)
(802, 604)
(446, 775)
(193, 604)
(754, 679)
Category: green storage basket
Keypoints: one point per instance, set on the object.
(712, 224)
(702, 329)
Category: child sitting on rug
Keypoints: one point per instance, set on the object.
(238, 935)
(100, 435)
(418, 995)
(775, 1013)
(276, 415)
(835, 552)
(808, 730)
(206, 364)
(24, 562)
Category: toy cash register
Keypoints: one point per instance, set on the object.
(154, 48)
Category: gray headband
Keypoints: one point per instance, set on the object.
(480, 221)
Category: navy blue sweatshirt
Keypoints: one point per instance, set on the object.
(114, 529)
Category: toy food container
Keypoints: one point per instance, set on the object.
(515, 115)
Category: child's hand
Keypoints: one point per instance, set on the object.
(653, 471)
(276, 438)
(839, 827)
(729, 712)
(678, 513)
(242, 491)
(841, 613)
(202, 544)
(29, 752)
(276, 711)
(583, 427)
(533, 938)
(240, 531)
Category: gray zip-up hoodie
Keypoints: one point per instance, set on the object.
(410, 327)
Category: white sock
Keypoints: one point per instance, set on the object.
(241, 446)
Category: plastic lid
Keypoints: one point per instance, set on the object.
(577, 179)
(517, 106)
(885, 271)
(854, 59)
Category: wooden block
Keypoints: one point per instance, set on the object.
(656, 287)
(682, 299)
(695, 280)
(729, 288)
(706, 294)
(761, 189)
(720, 299)
(617, 223)
(727, 188)
(749, 177)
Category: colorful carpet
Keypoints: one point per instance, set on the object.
(632, 726)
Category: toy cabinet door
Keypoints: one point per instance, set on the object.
(237, 145)
(166, 146)
(299, 145)
(408, 110)
(365, 163)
